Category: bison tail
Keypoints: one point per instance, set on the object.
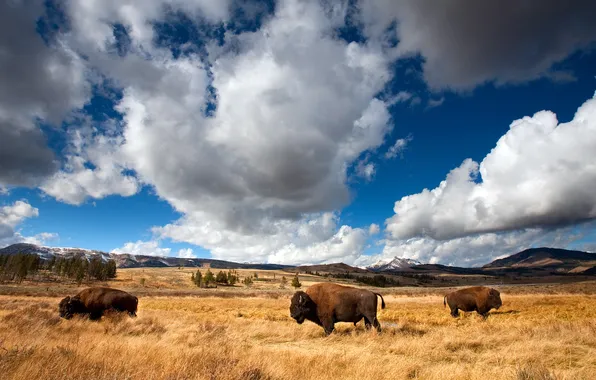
(444, 302)
(382, 300)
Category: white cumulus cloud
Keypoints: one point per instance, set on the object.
(11, 216)
(312, 239)
(146, 248)
(398, 147)
(374, 229)
(540, 174)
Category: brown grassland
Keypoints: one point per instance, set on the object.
(181, 332)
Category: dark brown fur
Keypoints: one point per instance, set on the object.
(325, 304)
(94, 301)
(477, 298)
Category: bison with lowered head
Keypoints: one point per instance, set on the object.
(477, 298)
(325, 304)
(94, 301)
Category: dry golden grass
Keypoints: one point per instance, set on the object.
(539, 333)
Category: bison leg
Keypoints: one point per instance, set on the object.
(454, 312)
(367, 323)
(96, 315)
(377, 324)
(483, 315)
(133, 314)
(328, 325)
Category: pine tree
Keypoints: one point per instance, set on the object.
(198, 279)
(209, 278)
(81, 272)
(247, 281)
(296, 282)
(51, 263)
(22, 268)
(111, 269)
(232, 277)
(221, 278)
(283, 283)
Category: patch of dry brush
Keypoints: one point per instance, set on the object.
(533, 336)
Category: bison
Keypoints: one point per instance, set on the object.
(325, 304)
(94, 301)
(478, 298)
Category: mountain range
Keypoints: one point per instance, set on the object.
(125, 260)
(530, 262)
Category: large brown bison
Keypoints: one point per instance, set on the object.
(94, 301)
(477, 298)
(325, 304)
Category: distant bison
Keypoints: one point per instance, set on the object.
(325, 304)
(94, 301)
(477, 298)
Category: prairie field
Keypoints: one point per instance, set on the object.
(181, 332)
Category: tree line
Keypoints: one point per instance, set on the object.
(19, 266)
(209, 280)
(378, 280)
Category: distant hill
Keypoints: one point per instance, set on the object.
(330, 268)
(126, 260)
(545, 257)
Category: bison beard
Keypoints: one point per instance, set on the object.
(95, 301)
(326, 304)
(477, 298)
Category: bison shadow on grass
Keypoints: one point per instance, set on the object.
(93, 302)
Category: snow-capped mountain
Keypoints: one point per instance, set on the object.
(392, 264)
(126, 260)
(47, 253)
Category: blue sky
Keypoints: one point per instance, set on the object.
(261, 131)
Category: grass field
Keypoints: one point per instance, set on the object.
(541, 332)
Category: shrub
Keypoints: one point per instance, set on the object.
(197, 278)
(232, 277)
(209, 279)
(283, 283)
(221, 278)
(296, 282)
(247, 281)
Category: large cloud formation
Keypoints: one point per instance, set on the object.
(295, 107)
(535, 188)
(466, 43)
(252, 134)
(38, 82)
(540, 174)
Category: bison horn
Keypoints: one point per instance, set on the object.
(300, 299)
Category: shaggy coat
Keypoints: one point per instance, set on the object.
(94, 301)
(326, 303)
(477, 298)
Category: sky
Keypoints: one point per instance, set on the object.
(299, 131)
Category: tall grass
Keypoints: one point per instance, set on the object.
(533, 336)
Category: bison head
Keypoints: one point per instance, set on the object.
(69, 306)
(494, 298)
(301, 306)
